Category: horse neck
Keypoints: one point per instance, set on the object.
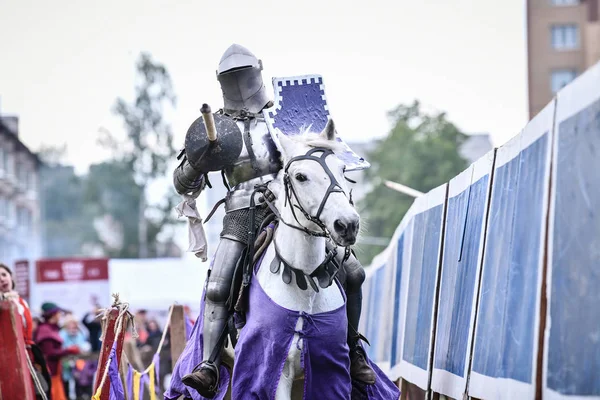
(300, 250)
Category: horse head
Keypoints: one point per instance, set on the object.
(311, 188)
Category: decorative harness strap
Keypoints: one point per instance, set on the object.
(325, 272)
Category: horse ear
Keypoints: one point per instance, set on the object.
(329, 131)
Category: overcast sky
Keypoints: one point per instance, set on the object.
(63, 63)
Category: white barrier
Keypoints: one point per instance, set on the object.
(455, 304)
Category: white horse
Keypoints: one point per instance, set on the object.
(314, 206)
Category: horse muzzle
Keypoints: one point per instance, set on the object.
(346, 231)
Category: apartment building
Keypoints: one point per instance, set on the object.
(563, 40)
(19, 196)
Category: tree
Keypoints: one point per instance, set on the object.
(52, 155)
(112, 198)
(62, 208)
(147, 149)
(422, 152)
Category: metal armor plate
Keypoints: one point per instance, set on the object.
(300, 103)
(259, 156)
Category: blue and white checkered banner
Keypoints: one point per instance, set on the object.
(300, 103)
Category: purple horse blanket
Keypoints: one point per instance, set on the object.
(262, 349)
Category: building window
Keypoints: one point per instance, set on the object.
(5, 159)
(23, 176)
(561, 78)
(2, 158)
(9, 163)
(3, 207)
(565, 37)
(31, 180)
(12, 212)
(565, 2)
(24, 220)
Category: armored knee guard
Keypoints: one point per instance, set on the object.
(217, 292)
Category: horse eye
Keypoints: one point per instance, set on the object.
(301, 177)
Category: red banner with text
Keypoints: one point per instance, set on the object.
(75, 284)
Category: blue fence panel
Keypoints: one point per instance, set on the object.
(423, 271)
(505, 331)
(490, 319)
(395, 353)
(365, 311)
(375, 308)
(520, 331)
(464, 223)
(574, 334)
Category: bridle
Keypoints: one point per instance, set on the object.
(290, 190)
(328, 269)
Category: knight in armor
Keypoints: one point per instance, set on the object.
(245, 96)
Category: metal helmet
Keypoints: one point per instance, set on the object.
(240, 76)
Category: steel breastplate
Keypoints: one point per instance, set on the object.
(259, 156)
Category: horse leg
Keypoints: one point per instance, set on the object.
(292, 367)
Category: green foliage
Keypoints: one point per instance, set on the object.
(422, 152)
(106, 210)
(147, 151)
(112, 195)
(63, 212)
(148, 148)
(52, 155)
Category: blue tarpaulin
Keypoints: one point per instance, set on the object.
(462, 242)
(395, 350)
(375, 310)
(574, 335)
(508, 310)
(423, 272)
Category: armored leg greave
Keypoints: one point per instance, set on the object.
(217, 292)
(355, 276)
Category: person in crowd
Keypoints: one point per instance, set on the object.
(36, 322)
(142, 328)
(7, 290)
(154, 335)
(72, 335)
(94, 327)
(148, 343)
(187, 311)
(50, 342)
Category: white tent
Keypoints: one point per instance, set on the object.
(155, 284)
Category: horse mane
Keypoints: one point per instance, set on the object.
(312, 139)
